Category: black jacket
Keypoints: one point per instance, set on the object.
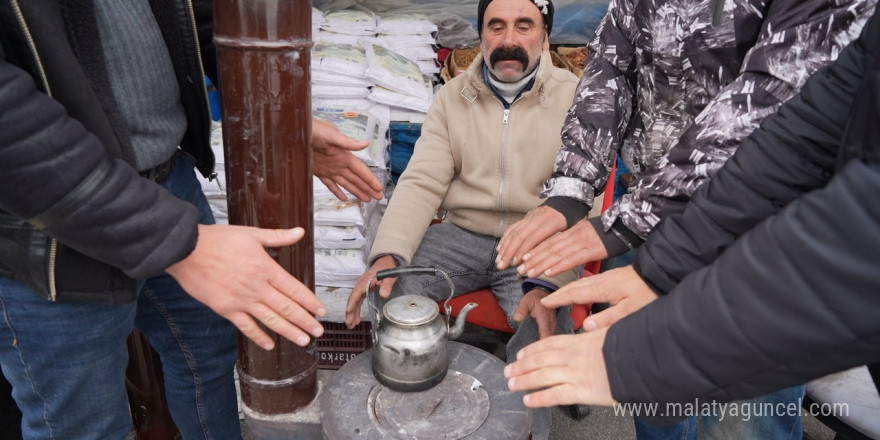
(772, 268)
(76, 220)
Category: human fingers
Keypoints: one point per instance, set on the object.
(516, 236)
(282, 282)
(385, 287)
(578, 245)
(272, 238)
(384, 263)
(581, 291)
(342, 179)
(356, 299)
(615, 312)
(555, 384)
(298, 305)
(325, 134)
(562, 394)
(245, 324)
(540, 354)
(538, 225)
(367, 181)
(603, 319)
(523, 309)
(272, 320)
(546, 322)
(511, 239)
(564, 360)
(334, 188)
(550, 254)
(360, 181)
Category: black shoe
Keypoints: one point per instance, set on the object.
(577, 412)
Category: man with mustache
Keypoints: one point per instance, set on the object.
(487, 145)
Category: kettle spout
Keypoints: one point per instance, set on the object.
(456, 331)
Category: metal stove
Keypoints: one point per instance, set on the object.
(472, 402)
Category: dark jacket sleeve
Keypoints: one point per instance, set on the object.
(57, 176)
(793, 293)
(796, 298)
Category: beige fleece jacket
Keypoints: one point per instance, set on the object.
(482, 164)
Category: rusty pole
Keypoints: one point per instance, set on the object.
(264, 49)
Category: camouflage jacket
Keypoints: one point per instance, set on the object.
(674, 86)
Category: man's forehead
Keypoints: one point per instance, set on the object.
(512, 10)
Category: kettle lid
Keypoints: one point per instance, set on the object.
(411, 310)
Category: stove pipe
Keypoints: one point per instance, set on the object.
(264, 49)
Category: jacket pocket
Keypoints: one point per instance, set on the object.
(26, 256)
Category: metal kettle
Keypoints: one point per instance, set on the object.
(410, 337)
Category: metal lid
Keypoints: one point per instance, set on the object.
(411, 310)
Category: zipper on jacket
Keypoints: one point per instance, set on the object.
(33, 47)
(53, 244)
(206, 106)
(504, 126)
(199, 68)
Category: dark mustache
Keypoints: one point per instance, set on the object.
(509, 53)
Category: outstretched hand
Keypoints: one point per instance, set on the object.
(359, 293)
(335, 166)
(578, 245)
(623, 288)
(566, 369)
(538, 225)
(230, 271)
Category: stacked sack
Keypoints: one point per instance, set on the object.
(392, 55)
(410, 35)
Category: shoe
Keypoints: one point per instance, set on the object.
(577, 412)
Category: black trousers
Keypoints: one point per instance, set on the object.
(10, 416)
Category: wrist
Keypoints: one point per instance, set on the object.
(544, 289)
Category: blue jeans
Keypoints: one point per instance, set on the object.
(758, 424)
(469, 259)
(67, 361)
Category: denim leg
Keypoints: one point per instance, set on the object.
(683, 430)
(527, 331)
(66, 363)
(198, 347)
(463, 255)
(772, 416)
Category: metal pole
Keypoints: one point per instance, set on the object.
(264, 49)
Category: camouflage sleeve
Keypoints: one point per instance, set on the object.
(602, 108)
(797, 38)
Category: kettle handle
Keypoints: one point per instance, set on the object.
(414, 270)
(408, 270)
